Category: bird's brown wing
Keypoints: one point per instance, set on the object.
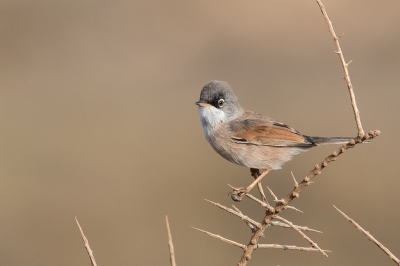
(267, 132)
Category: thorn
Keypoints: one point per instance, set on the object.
(294, 180)
(293, 208)
(231, 186)
(211, 202)
(236, 209)
(223, 239)
(309, 182)
(349, 63)
(273, 195)
(263, 204)
(86, 244)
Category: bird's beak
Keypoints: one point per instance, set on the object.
(202, 104)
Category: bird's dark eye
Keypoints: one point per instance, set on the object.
(221, 102)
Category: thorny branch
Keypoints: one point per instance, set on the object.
(345, 69)
(170, 244)
(313, 244)
(287, 247)
(86, 242)
(281, 204)
(370, 237)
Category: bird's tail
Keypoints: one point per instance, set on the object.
(329, 140)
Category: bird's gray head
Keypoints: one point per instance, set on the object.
(218, 104)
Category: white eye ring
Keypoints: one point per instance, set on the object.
(221, 102)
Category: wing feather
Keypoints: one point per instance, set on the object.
(263, 131)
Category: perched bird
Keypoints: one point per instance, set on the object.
(246, 138)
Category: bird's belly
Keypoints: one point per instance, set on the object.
(254, 156)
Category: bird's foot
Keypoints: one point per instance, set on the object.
(239, 193)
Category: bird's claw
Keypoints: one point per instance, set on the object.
(238, 194)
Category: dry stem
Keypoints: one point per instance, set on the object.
(313, 244)
(304, 228)
(170, 244)
(86, 242)
(223, 239)
(236, 213)
(345, 69)
(370, 237)
(288, 247)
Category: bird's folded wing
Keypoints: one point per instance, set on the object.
(267, 132)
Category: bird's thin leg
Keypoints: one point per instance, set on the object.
(239, 193)
(256, 173)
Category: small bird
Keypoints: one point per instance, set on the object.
(249, 139)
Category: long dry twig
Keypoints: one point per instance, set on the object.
(345, 69)
(86, 242)
(170, 244)
(264, 246)
(236, 213)
(370, 237)
(303, 228)
(313, 244)
(288, 247)
(263, 204)
(223, 239)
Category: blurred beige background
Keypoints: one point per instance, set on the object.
(98, 121)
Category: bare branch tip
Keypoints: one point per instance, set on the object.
(293, 208)
(198, 229)
(231, 186)
(342, 213)
(86, 244)
(272, 194)
(374, 133)
(349, 63)
(294, 180)
(312, 243)
(170, 243)
(210, 201)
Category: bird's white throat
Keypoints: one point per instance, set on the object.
(211, 118)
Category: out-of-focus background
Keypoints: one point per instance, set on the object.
(98, 121)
